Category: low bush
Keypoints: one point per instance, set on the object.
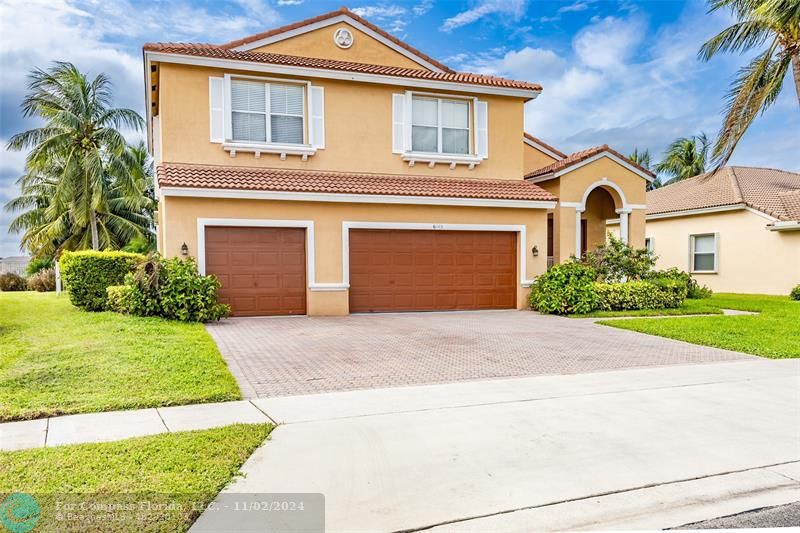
(117, 298)
(616, 261)
(564, 289)
(795, 294)
(633, 295)
(43, 280)
(87, 274)
(38, 264)
(169, 288)
(694, 290)
(12, 282)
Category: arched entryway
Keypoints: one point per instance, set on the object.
(602, 200)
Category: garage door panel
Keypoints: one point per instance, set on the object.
(431, 270)
(262, 271)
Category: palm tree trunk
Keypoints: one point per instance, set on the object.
(796, 72)
(93, 227)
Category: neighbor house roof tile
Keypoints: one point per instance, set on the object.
(316, 181)
(218, 52)
(771, 191)
(578, 157)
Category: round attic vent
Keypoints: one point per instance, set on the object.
(343, 38)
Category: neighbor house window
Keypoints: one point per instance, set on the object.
(439, 125)
(650, 244)
(703, 250)
(267, 112)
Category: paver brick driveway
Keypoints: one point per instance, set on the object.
(304, 355)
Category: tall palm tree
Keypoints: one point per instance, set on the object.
(643, 160)
(685, 157)
(80, 140)
(127, 214)
(772, 26)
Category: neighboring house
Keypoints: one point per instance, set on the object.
(736, 231)
(15, 264)
(326, 167)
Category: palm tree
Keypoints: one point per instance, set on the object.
(685, 157)
(78, 147)
(127, 215)
(772, 26)
(643, 160)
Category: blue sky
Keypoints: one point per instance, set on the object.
(621, 72)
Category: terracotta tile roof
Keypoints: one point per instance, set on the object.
(217, 52)
(341, 11)
(577, 157)
(549, 147)
(771, 191)
(289, 180)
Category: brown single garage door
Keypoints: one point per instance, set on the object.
(410, 270)
(262, 270)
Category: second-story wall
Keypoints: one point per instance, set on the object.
(358, 129)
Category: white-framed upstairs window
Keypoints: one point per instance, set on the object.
(266, 115)
(440, 125)
(433, 128)
(266, 112)
(704, 253)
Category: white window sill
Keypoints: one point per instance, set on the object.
(450, 159)
(303, 150)
(703, 272)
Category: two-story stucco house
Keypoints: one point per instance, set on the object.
(326, 167)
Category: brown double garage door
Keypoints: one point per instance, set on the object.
(263, 270)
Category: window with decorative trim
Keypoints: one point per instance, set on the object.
(267, 112)
(703, 252)
(440, 125)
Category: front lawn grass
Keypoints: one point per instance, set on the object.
(774, 333)
(689, 307)
(186, 470)
(56, 359)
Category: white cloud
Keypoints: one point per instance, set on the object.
(379, 12)
(510, 8)
(289, 2)
(423, 7)
(577, 6)
(609, 41)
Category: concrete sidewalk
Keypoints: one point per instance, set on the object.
(647, 449)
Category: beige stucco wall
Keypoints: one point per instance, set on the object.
(181, 216)
(572, 186)
(358, 130)
(534, 159)
(319, 43)
(752, 259)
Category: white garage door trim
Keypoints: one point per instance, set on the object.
(519, 229)
(266, 223)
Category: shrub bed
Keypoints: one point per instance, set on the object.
(694, 290)
(169, 288)
(12, 282)
(633, 295)
(795, 294)
(87, 275)
(564, 289)
(43, 280)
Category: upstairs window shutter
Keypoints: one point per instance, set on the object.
(317, 117)
(482, 129)
(398, 123)
(216, 98)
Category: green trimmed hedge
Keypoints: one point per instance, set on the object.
(632, 295)
(795, 294)
(88, 273)
(564, 289)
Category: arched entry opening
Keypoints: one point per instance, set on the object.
(602, 200)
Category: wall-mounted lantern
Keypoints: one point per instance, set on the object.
(535, 251)
(184, 250)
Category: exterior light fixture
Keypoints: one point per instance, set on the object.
(184, 250)
(535, 251)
